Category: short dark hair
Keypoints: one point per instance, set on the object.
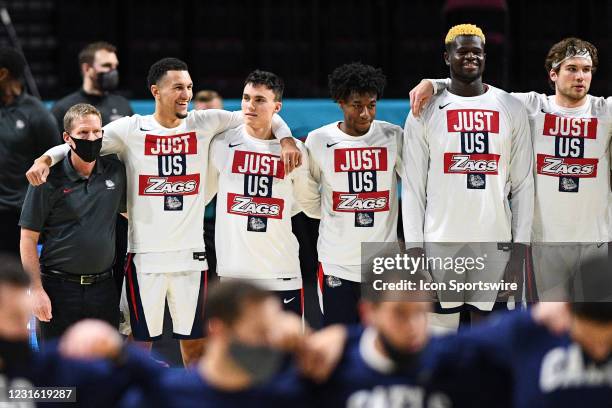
(356, 77)
(88, 54)
(159, 69)
(566, 47)
(13, 61)
(11, 271)
(226, 300)
(268, 79)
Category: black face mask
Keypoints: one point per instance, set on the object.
(404, 360)
(87, 150)
(107, 81)
(261, 362)
(14, 353)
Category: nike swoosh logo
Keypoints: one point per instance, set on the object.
(145, 130)
(285, 301)
(234, 145)
(543, 111)
(332, 144)
(444, 106)
(67, 190)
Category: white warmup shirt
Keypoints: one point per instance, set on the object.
(572, 168)
(166, 169)
(358, 178)
(255, 203)
(462, 158)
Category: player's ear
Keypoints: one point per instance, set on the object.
(154, 91)
(446, 58)
(278, 106)
(67, 139)
(553, 75)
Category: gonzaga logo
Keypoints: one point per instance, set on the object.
(265, 207)
(470, 163)
(357, 202)
(168, 185)
(566, 166)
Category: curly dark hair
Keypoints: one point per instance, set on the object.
(356, 77)
(269, 80)
(159, 69)
(560, 50)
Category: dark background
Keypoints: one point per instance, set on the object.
(301, 40)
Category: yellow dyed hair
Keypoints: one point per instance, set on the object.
(463, 29)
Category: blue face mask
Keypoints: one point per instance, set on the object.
(262, 363)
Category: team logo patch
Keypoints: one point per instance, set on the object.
(261, 207)
(364, 219)
(173, 203)
(568, 184)
(109, 184)
(19, 124)
(332, 281)
(257, 224)
(476, 181)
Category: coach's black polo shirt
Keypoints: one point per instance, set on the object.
(76, 216)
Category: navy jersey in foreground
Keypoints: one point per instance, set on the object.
(187, 388)
(547, 370)
(99, 383)
(366, 378)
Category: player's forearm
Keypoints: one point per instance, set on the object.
(29, 259)
(439, 84)
(55, 154)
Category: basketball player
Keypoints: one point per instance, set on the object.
(356, 161)
(467, 152)
(256, 199)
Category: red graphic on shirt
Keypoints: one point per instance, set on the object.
(360, 159)
(472, 120)
(261, 164)
(168, 185)
(566, 166)
(561, 126)
(481, 163)
(374, 201)
(265, 207)
(184, 143)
